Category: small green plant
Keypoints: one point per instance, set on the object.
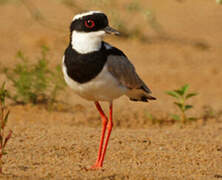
(219, 1)
(4, 113)
(6, 1)
(119, 24)
(35, 83)
(154, 120)
(68, 3)
(153, 22)
(181, 96)
(133, 6)
(211, 113)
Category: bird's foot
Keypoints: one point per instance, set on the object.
(96, 166)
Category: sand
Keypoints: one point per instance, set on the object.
(63, 143)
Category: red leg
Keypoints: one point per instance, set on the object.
(104, 121)
(109, 126)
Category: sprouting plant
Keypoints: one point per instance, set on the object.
(4, 113)
(219, 1)
(3, 1)
(7, 1)
(58, 84)
(119, 24)
(35, 83)
(133, 6)
(151, 117)
(181, 96)
(153, 22)
(68, 3)
(211, 113)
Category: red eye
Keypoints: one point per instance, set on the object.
(89, 23)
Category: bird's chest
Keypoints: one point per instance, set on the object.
(83, 68)
(103, 87)
(88, 76)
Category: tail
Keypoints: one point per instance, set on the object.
(141, 94)
(143, 98)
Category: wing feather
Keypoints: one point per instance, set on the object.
(123, 70)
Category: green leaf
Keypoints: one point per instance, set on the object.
(190, 95)
(192, 119)
(182, 90)
(6, 119)
(3, 94)
(173, 94)
(45, 48)
(187, 107)
(7, 138)
(1, 141)
(3, 86)
(219, 1)
(185, 88)
(19, 54)
(179, 105)
(179, 91)
(4, 153)
(175, 117)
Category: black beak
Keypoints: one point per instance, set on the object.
(110, 30)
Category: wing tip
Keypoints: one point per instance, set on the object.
(143, 98)
(146, 89)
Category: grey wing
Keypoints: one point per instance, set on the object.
(122, 69)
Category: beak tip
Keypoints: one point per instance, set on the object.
(110, 30)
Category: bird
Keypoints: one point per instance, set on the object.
(98, 71)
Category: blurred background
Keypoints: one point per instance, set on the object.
(170, 42)
(176, 47)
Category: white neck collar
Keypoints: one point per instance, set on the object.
(86, 42)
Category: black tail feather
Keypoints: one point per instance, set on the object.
(143, 98)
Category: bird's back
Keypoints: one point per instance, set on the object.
(124, 71)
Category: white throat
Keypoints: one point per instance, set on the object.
(86, 42)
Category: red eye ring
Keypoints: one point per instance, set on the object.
(89, 23)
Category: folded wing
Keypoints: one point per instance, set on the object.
(122, 69)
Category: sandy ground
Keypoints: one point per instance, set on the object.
(62, 144)
(53, 149)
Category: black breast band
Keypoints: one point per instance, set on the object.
(84, 67)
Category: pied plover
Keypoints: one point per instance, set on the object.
(97, 71)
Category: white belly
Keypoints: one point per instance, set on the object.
(104, 87)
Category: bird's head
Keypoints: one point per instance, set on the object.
(94, 23)
(87, 31)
